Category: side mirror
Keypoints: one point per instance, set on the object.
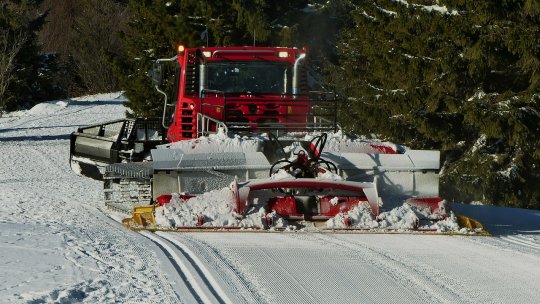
(157, 74)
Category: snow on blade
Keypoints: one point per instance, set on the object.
(215, 207)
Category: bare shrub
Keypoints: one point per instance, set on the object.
(9, 48)
(87, 34)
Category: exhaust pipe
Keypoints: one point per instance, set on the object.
(295, 88)
(202, 72)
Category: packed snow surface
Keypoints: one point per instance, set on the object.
(58, 244)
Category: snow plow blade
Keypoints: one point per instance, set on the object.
(309, 199)
(143, 218)
(285, 206)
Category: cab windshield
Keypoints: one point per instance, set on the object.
(257, 77)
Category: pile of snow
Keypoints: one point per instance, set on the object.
(360, 217)
(52, 107)
(216, 210)
(217, 143)
(47, 108)
(96, 98)
(402, 218)
(336, 142)
(342, 143)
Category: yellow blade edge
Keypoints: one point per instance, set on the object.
(142, 217)
(472, 224)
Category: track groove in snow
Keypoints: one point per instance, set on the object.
(433, 283)
(521, 240)
(293, 268)
(201, 269)
(203, 294)
(102, 246)
(209, 285)
(305, 294)
(223, 269)
(91, 258)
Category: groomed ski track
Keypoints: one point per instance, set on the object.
(322, 268)
(59, 245)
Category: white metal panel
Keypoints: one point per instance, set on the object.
(412, 160)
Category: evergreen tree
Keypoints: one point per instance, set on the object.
(154, 31)
(24, 72)
(158, 26)
(459, 76)
(501, 166)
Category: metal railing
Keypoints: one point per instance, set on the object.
(207, 125)
(257, 113)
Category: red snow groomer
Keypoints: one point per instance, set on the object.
(244, 119)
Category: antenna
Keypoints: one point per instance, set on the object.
(253, 37)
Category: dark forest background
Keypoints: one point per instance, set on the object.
(459, 76)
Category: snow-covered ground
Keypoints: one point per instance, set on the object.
(58, 245)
